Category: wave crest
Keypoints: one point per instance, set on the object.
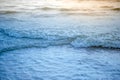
(12, 40)
(96, 42)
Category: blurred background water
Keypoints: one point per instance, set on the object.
(59, 40)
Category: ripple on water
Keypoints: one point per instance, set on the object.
(60, 63)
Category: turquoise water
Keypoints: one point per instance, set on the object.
(42, 41)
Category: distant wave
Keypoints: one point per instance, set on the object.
(12, 40)
(9, 12)
(58, 6)
(116, 9)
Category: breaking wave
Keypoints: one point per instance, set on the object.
(13, 40)
(41, 23)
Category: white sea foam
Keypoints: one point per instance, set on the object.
(18, 37)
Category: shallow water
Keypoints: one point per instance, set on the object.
(60, 63)
(40, 40)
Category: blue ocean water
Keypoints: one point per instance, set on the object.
(40, 40)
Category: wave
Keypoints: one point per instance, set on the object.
(116, 9)
(97, 41)
(13, 39)
(12, 7)
(9, 12)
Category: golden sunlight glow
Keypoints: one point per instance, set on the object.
(73, 4)
(60, 5)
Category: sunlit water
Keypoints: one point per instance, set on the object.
(49, 40)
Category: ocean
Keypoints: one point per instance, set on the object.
(59, 40)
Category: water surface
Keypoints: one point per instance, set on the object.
(49, 40)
